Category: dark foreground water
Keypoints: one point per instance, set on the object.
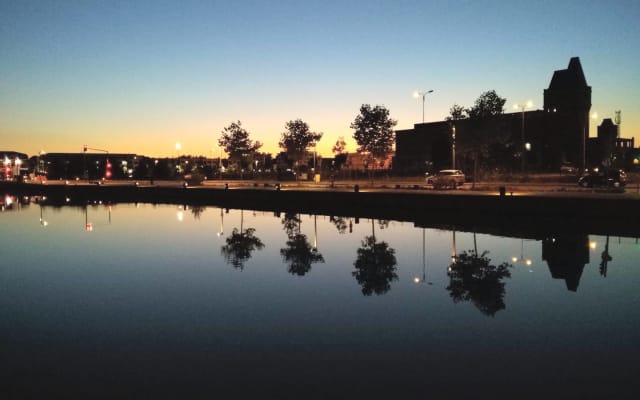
(143, 301)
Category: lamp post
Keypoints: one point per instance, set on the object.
(453, 147)
(523, 149)
(423, 95)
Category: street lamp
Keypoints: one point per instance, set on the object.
(522, 107)
(423, 95)
(453, 147)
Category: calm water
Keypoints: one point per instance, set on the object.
(132, 299)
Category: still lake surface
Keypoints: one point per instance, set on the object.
(133, 298)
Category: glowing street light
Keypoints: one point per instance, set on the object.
(522, 107)
(525, 261)
(423, 95)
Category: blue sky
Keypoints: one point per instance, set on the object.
(139, 76)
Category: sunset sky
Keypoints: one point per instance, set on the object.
(141, 76)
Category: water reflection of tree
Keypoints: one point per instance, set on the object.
(291, 223)
(299, 253)
(340, 224)
(473, 278)
(197, 211)
(375, 266)
(240, 244)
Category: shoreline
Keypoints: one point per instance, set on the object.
(522, 213)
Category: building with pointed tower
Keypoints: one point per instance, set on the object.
(538, 140)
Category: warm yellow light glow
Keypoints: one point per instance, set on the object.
(416, 280)
(178, 146)
(594, 115)
(592, 245)
(514, 259)
(529, 104)
(528, 263)
(180, 216)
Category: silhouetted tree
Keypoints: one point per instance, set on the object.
(484, 129)
(339, 154)
(375, 267)
(456, 112)
(473, 278)
(299, 254)
(339, 147)
(489, 104)
(236, 143)
(297, 138)
(373, 131)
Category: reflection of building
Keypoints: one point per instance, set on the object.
(566, 256)
(556, 134)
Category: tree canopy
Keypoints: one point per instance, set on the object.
(456, 112)
(373, 130)
(297, 138)
(236, 143)
(487, 105)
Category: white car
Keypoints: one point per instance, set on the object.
(447, 178)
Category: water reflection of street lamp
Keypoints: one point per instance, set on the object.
(43, 222)
(522, 107)
(423, 95)
(454, 255)
(525, 261)
(221, 223)
(424, 263)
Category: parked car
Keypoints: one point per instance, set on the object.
(568, 169)
(612, 178)
(447, 178)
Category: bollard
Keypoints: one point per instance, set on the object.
(503, 190)
(356, 188)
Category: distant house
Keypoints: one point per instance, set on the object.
(359, 161)
(13, 164)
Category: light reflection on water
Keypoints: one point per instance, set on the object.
(266, 293)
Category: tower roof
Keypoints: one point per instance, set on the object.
(572, 77)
